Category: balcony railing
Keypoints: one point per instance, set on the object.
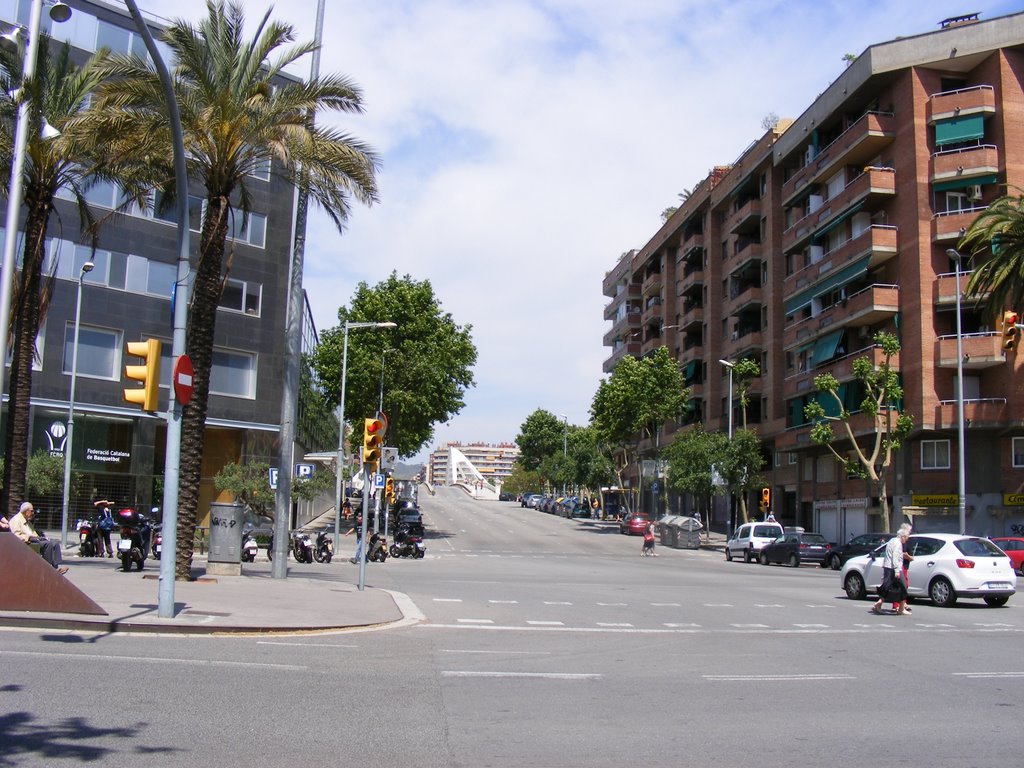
(745, 217)
(965, 163)
(946, 289)
(982, 412)
(866, 307)
(633, 348)
(651, 284)
(980, 350)
(963, 101)
(951, 225)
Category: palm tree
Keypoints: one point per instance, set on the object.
(238, 113)
(72, 162)
(997, 231)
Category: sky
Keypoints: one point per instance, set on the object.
(527, 144)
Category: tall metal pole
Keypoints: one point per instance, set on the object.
(961, 493)
(729, 365)
(69, 438)
(172, 454)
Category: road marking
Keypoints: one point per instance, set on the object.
(447, 599)
(679, 626)
(749, 626)
(997, 624)
(504, 602)
(666, 605)
(818, 605)
(530, 675)
(306, 645)
(811, 626)
(555, 602)
(987, 675)
(546, 623)
(775, 678)
(601, 624)
(768, 605)
(717, 605)
(157, 660)
(606, 605)
(476, 621)
(499, 653)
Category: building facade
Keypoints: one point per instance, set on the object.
(493, 462)
(118, 452)
(829, 229)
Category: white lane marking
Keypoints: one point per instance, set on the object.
(811, 626)
(749, 626)
(601, 624)
(818, 605)
(768, 605)
(606, 605)
(986, 625)
(476, 621)
(922, 625)
(504, 602)
(679, 626)
(306, 645)
(554, 602)
(546, 623)
(775, 678)
(718, 605)
(987, 675)
(666, 605)
(529, 675)
(498, 653)
(156, 660)
(447, 599)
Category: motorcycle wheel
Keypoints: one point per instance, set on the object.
(139, 558)
(126, 562)
(420, 553)
(327, 557)
(395, 551)
(85, 550)
(319, 555)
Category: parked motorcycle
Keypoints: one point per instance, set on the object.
(407, 544)
(323, 549)
(378, 549)
(158, 541)
(249, 547)
(302, 547)
(90, 543)
(136, 534)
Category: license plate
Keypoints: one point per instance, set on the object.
(124, 545)
(158, 548)
(998, 585)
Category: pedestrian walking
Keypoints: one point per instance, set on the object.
(105, 522)
(357, 529)
(892, 587)
(648, 547)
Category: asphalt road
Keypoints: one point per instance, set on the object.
(548, 643)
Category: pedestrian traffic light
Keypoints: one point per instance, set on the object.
(766, 497)
(1011, 333)
(373, 438)
(148, 373)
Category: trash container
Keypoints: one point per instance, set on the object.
(668, 530)
(226, 523)
(688, 532)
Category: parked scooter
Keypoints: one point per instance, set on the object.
(302, 547)
(249, 547)
(378, 549)
(323, 549)
(407, 544)
(136, 533)
(90, 544)
(158, 541)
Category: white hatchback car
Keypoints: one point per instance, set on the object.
(946, 566)
(750, 538)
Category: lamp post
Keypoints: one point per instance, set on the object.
(565, 446)
(729, 365)
(341, 460)
(383, 354)
(68, 440)
(58, 12)
(961, 492)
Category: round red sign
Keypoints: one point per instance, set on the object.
(182, 380)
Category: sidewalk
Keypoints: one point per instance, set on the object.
(312, 598)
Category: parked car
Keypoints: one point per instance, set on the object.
(946, 566)
(858, 545)
(1013, 546)
(506, 497)
(524, 500)
(795, 549)
(633, 524)
(750, 538)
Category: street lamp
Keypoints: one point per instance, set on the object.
(341, 461)
(86, 269)
(383, 353)
(58, 12)
(961, 493)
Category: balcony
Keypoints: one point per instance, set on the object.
(878, 240)
(692, 245)
(979, 99)
(981, 413)
(692, 316)
(946, 289)
(745, 251)
(951, 225)
(628, 322)
(842, 368)
(980, 350)
(967, 163)
(857, 144)
(746, 218)
(651, 313)
(631, 291)
(652, 284)
(868, 306)
(632, 348)
(744, 296)
(692, 275)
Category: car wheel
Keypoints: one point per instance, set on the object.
(996, 602)
(941, 592)
(728, 555)
(834, 563)
(762, 559)
(854, 586)
(747, 555)
(794, 561)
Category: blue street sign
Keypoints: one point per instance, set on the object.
(304, 471)
(378, 480)
(273, 478)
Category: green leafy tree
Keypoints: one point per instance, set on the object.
(996, 240)
(540, 436)
(521, 480)
(882, 395)
(72, 162)
(590, 467)
(45, 475)
(249, 483)
(744, 372)
(238, 115)
(693, 457)
(634, 402)
(426, 361)
(740, 466)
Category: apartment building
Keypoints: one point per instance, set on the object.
(493, 461)
(828, 229)
(118, 451)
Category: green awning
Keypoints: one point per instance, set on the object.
(689, 369)
(840, 277)
(963, 182)
(836, 221)
(825, 347)
(958, 129)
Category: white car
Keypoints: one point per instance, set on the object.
(946, 566)
(750, 538)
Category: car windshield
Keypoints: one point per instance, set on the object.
(813, 538)
(978, 548)
(767, 531)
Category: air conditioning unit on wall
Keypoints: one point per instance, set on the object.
(974, 192)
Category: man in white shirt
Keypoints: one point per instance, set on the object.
(21, 526)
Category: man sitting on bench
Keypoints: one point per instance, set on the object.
(21, 526)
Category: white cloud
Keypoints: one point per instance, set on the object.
(526, 145)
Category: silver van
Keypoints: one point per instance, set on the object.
(749, 538)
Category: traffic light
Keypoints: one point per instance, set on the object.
(1011, 333)
(766, 497)
(389, 490)
(148, 373)
(373, 439)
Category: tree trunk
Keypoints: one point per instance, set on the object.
(25, 319)
(205, 298)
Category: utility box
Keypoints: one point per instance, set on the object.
(226, 523)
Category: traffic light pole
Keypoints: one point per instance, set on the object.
(361, 551)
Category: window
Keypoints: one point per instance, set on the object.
(37, 362)
(1018, 451)
(262, 170)
(233, 374)
(249, 229)
(99, 351)
(935, 454)
(957, 201)
(163, 210)
(241, 296)
(160, 278)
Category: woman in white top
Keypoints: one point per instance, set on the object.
(892, 566)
